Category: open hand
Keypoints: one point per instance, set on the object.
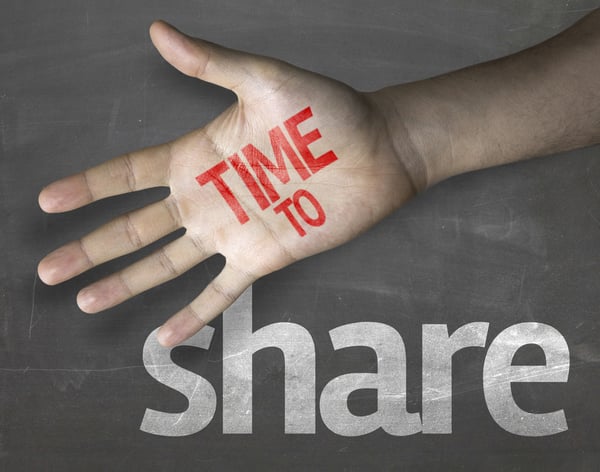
(323, 188)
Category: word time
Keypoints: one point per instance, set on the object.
(258, 182)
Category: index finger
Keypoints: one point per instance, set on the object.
(137, 170)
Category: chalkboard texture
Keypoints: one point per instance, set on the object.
(81, 82)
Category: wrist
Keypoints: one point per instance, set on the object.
(421, 130)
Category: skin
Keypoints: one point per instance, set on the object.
(390, 145)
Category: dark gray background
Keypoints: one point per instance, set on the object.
(80, 82)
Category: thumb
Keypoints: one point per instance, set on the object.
(207, 61)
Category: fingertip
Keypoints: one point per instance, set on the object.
(160, 23)
(167, 337)
(46, 273)
(157, 26)
(47, 203)
(65, 194)
(180, 50)
(41, 201)
(164, 34)
(63, 263)
(87, 301)
(157, 23)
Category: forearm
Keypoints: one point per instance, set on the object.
(539, 101)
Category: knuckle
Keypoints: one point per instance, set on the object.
(199, 245)
(86, 253)
(129, 172)
(173, 210)
(167, 263)
(190, 312)
(226, 294)
(133, 235)
(125, 284)
(248, 272)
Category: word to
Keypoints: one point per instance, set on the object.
(302, 161)
(296, 343)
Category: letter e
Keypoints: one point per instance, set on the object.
(499, 374)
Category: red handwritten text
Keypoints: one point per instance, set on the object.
(258, 171)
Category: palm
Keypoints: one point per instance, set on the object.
(362, 185)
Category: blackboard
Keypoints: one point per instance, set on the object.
(80, 82)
